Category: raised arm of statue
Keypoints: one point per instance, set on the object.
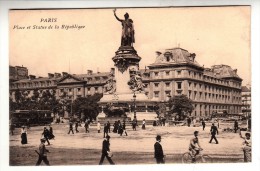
(116, 16)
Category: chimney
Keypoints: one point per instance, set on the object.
(56, 75)
(192, 56)
(64, 74)
(50, 75)
(235, 71)
(90, 72)
(32, 77)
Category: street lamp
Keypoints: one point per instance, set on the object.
(134, 97)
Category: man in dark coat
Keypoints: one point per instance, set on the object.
(203, 124)
(105, 130)
(51, 135)
(106, 151)
(115, 127)
(86, 126)
(134, 124)
(76, 126)
(108, 126)
(120, 128)
(71, 128)
(213, 131)
(124, 129)
(42, 153)
(189, 121)
(46, 134)
(158, 151)
(236, 126)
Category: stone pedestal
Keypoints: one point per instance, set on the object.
(126, 75)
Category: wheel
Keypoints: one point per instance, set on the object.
(208, 159)
(186, 158)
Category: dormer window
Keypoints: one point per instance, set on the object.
(156, 84)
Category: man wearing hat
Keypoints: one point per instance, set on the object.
(42, 153)
(158, 151)
(106, 151)
(213, 131)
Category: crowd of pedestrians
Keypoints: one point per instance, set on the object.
(120, 128)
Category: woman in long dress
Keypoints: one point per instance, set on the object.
(143, 125)
(23, 135)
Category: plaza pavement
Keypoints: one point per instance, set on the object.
(175, 140)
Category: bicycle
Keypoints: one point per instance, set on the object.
(200, 158)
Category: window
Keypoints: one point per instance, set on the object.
(179, 85)
(167, 84)
(145, 85)
(189, 84)
(96, 89)
(97, 78)
(79, 89)
(168, 93)
(168, 58)
(156, 84)
(156, 74)
(179, 72)
(195, 94)
(88, 91)
(156, 94)
(167, 73)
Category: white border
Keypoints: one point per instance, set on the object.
(4, 76)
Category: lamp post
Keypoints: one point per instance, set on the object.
(134, 97)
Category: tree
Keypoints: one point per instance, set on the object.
(180, 105)
(88, 106)
(160, 109)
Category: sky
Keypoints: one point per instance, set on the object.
(218, 35)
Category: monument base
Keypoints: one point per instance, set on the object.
(141, 101)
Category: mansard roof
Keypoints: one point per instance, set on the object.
(245, 89)
(224, 71)
(175, 56)
(38, 79)
(100, 74)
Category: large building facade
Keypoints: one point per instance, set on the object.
(246, 99)
(174, 72)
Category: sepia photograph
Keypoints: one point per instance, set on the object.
(130, 86)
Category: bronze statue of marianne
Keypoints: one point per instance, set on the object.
(128, 32)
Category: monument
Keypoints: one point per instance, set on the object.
(123, 92)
